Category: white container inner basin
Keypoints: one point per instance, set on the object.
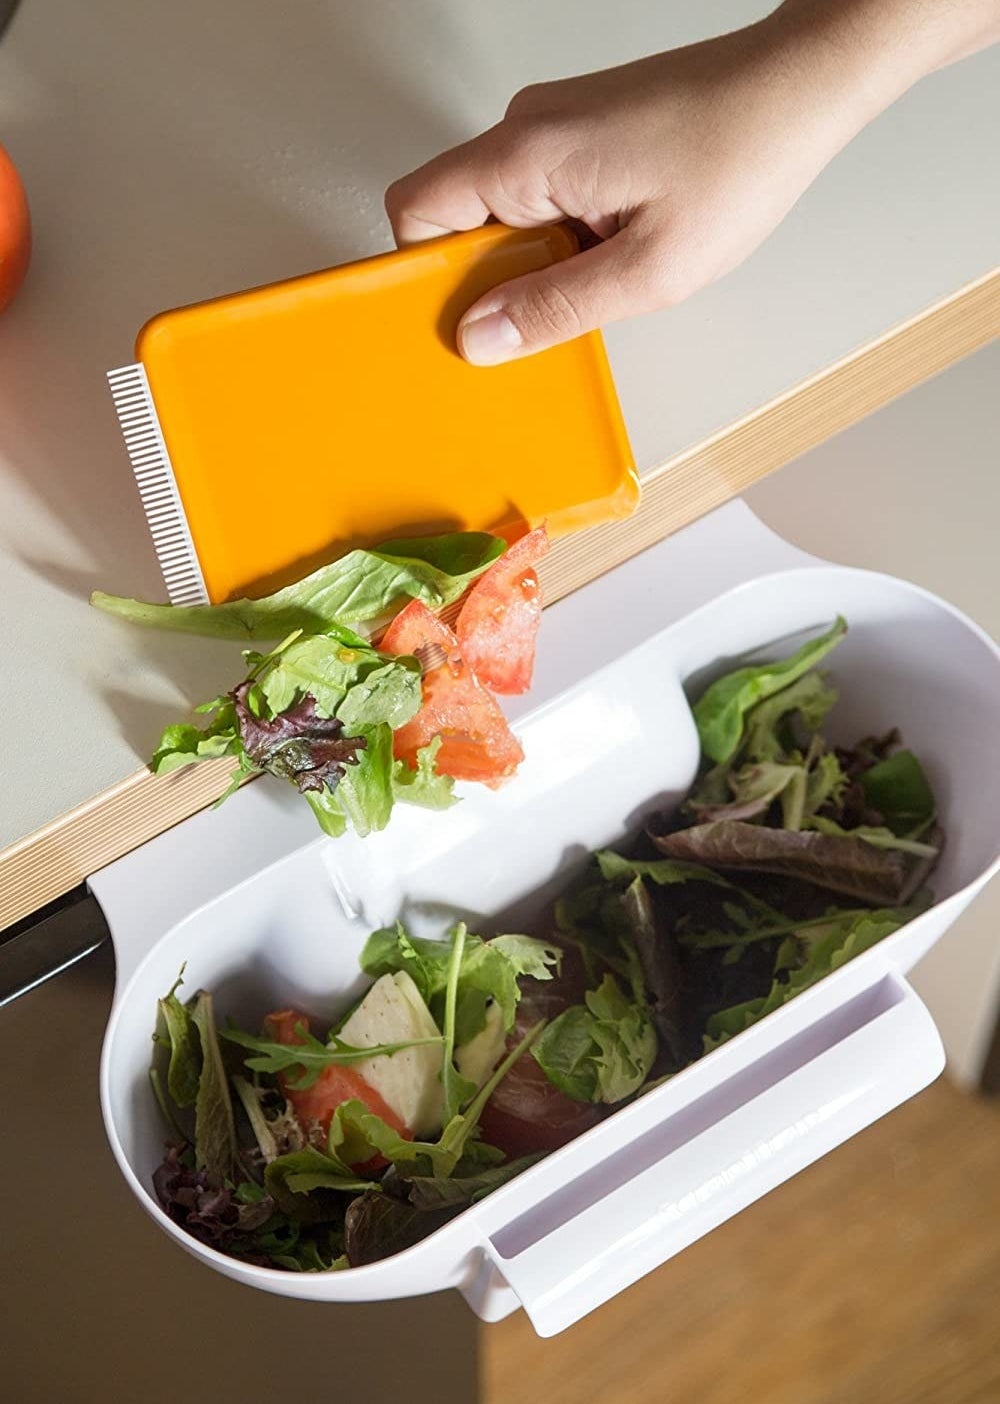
(603, 753)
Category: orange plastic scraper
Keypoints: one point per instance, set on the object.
(273, 429)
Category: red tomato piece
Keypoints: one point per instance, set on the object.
(314, 1106)
(527, 1113)
(476, 740)
(498, 624)
(15, 230)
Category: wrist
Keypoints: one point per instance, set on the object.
(855, 57)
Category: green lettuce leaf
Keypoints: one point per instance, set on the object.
(363, 587)
(364, 791)
(663, 871)
(183, 744)
(215, 1145)
(600, 1051)
(306, 1184)
(720, 712)
(827, 946)
(318, 712)
(354, 683)
(176, 1031)
(899, 789)
(429, 1193)
(423, 785)
(879, 836)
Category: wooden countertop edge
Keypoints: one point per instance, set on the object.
(43, 865)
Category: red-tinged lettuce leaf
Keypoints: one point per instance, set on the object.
(431, 1192)
(210, 1213)
(378, 1225)
(839, 864)
(657, 954)
(409, 1207)
(297, 745)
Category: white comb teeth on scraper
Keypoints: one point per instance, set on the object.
(157, 486)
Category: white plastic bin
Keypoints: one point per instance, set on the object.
(265, 912)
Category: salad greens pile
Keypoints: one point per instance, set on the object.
(789, 857)
(248, 1175)
(319, 710)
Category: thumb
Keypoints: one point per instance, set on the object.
(615, 279)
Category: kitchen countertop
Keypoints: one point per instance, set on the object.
(173, 152)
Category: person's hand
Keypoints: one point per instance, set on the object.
(680, 164)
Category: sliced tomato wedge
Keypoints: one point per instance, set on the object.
(476, 741)
(314, 1106)
(498, 625)
(526, 1113)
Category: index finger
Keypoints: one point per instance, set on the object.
(440, 197)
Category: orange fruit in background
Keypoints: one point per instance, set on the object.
(15, 230)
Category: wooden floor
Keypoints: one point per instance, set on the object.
(872, 1278)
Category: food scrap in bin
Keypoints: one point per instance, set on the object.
(468, 1059)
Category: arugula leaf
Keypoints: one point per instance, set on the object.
(600, 1051)
(720, 711)
(760, 929)
(899, 789)
(215, 1146)
(878, 836)
(525, 955)
(176, 1031)
(423, 785)
(308, 1058)
(306, 1184)
(363, 587)
(828, 947)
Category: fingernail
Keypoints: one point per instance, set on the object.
(489, 340)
